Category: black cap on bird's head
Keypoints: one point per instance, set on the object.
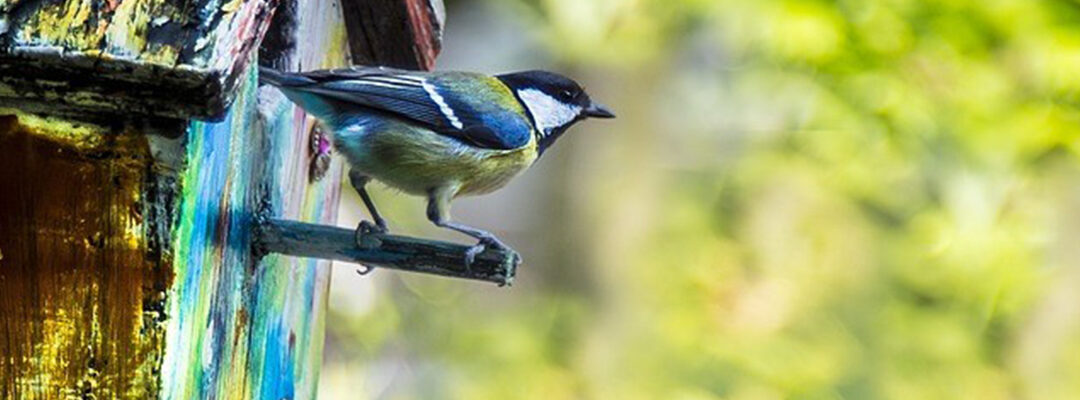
(554, 102)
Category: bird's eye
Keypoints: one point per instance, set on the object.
(566, 94)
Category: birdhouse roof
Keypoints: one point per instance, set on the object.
(171, 58)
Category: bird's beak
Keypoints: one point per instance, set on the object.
(597, 110)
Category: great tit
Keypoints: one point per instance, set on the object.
(438, 134)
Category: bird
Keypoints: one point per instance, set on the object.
(438, 134)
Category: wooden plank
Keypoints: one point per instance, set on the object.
(118, 56)
(82, 286)
(396, 33)
(126, 261)
(245, 327)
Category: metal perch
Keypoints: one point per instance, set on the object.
(385, 251)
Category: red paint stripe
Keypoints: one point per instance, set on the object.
(422, 20)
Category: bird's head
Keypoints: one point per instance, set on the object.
(554, 102)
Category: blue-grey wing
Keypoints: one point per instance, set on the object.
(475, 109)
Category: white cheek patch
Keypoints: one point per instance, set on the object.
(548, 112)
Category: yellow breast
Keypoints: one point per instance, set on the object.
(417, 160)
(496, 170)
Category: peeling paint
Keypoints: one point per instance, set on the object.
(144, 312)
(247, 330)
(194, 49)
(230, 339)
(76, 265)
(232, 6)
(69, 24)
(80, 136)
(124, 28)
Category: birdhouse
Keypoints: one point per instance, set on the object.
(138, 155)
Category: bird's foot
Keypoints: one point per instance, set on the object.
(363, 240)
(364, 269)
(489, 243)
(366, 228)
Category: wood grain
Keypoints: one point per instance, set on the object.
(395, 33)
(82, 295)
(119, 57)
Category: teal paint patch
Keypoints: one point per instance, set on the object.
(242, 327)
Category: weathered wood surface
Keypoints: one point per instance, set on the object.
(242, 327)
(126, 268)
(126, 259)
(83, 268)
(387, 251)
(397, 33)
(119, 57)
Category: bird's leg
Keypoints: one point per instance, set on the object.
(359, 181)
(438, 211)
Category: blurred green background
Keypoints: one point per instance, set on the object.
(799, 199)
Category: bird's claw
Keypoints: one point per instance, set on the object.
(377, 227)
(367, 228)
(482, 246)
(470, 255)
(363, 229)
